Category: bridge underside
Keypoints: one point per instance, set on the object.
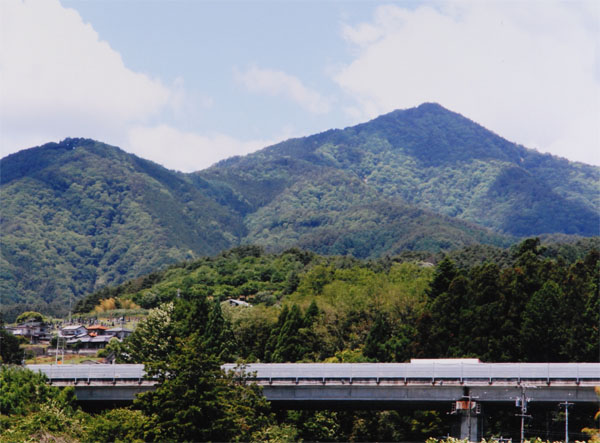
(368, 395)
(377, 396)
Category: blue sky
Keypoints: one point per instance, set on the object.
(187, 83)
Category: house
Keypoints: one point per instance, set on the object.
(89, 342)
(119, 332)
(234, 302)
(72, 331)
(34, 331)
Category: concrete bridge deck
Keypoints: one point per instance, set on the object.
(377, 383)
(463, 387)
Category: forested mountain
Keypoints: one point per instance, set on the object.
(427, 156)
(80, 214)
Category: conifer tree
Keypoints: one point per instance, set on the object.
(376, 345)
(274, 336)
(311, 314)
(290, 346)
(218, 338)
(196, 401)
(540, 329)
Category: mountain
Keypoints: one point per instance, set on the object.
(432, 158)
(79, 215)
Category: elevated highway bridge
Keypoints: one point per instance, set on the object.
(464, 386)
(360, 383)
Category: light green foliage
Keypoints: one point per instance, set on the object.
(118, 425)
(243, 271)
(153, 339)
(31, 408)
(277, 433)
(29, 316)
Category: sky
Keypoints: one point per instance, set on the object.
(187, 83)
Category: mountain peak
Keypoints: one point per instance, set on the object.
(431, 106)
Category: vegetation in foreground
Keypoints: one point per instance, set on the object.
(312, 308)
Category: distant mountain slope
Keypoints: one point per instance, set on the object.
(435, 159)
(336, 213)
(80, 214)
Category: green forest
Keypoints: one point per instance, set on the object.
(81, 215)
(312, 308)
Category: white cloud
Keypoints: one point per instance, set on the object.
(186, 151)
(59, 79)
(530, 71)
(278, 83)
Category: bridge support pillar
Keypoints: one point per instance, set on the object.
(469, 426)
(469, 413)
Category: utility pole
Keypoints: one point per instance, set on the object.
(522, 402)
(566, 405)
(60, 343)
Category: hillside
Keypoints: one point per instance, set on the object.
(432, 158)
(80, 215)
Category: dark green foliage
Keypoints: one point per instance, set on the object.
(541, 329)
(196, 401)
(311, 314)
(378, 345)
(290, 345)
(118, 425)
(347, 310)
(29, 406)
(10, 350)
(427, 156)
(218, 338)
(85, 215)
(445, 272)
(537, 310)
(541, 304)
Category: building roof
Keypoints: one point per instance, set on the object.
(81, 338)
(97, 327)
(233, 301)
(72, 327)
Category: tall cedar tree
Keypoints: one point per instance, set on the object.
(377, 343)
(290, 346)
(196, 401)
(218, 338)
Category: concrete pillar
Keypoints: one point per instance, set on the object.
(469, 426)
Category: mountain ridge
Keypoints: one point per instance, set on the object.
(81, 214)
(371, 149)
